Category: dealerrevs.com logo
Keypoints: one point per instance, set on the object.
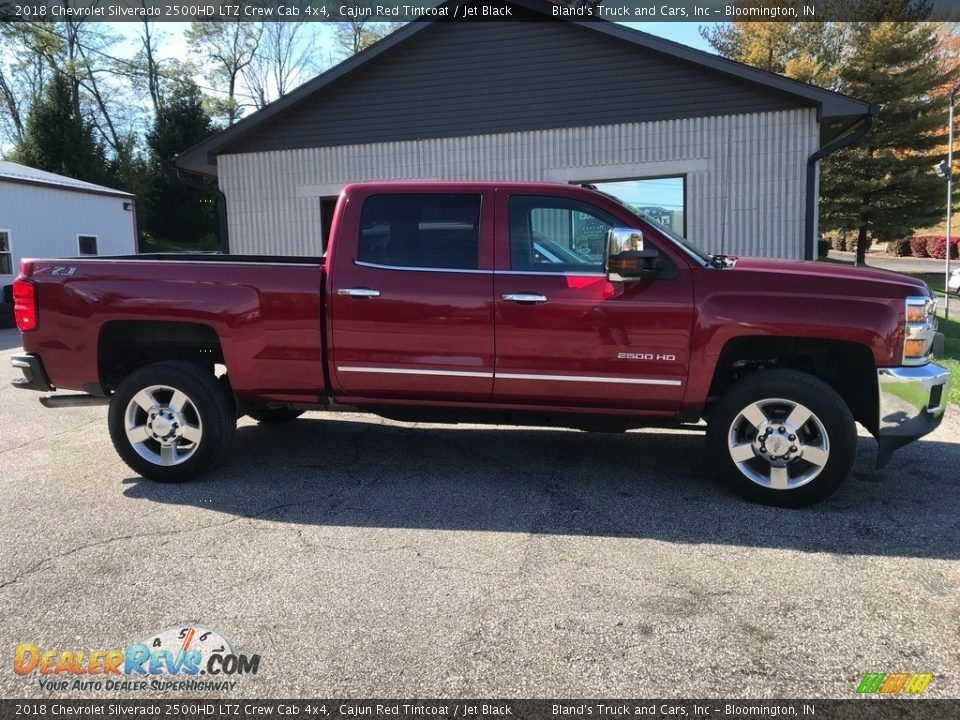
(894, 683)
(186, 657)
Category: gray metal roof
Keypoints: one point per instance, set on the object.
(836, 111)
(17, 173)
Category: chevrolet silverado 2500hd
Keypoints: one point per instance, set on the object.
(511, 303)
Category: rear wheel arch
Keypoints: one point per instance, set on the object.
(125, 346)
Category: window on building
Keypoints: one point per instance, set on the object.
(327, 206)
(6, 254)
(661, 199)
(551, 234)
(420, 231)
(88, 244)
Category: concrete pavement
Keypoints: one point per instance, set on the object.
(363, 558)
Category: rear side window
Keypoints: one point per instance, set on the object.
(420, 231)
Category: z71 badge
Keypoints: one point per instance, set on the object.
(56, 270)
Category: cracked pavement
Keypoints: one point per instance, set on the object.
(362, 557)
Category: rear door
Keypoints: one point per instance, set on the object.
(411, 294)
(567, 336)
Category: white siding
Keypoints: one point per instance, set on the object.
(745, 173)
(45, 222)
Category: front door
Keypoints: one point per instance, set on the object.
(565, 335)
(411, 296)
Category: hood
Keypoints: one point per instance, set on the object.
(847, 278)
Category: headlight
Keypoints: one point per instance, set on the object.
(920, 329)
(917, 313)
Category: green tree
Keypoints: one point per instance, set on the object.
(226, 50)
(884, 186)
(356, 33)
(171, 212)
(810, 52)
(32, 53)
(285, 58)
(59, 139)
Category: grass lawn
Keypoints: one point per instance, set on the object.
(950, 358)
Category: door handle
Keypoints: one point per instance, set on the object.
(525, 298)
(359, 292)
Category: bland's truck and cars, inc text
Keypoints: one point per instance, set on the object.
(505, 303)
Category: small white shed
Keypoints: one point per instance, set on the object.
(47, 215)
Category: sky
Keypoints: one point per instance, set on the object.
(687, 33)
(174, 44)
(666, 192)
(172, 41)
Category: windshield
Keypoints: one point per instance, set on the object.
(679, 239)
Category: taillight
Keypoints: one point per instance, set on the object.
(25, 304)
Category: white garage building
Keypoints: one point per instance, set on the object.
(724, 153)
(47, 215)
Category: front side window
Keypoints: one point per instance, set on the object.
(420, 231)
(88, 244)
(551, 234)
(6, 255)
(659, 201)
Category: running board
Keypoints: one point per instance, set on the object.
(63, 401)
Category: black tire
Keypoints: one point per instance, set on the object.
(274, 416)
(828, 438)
(208, 414)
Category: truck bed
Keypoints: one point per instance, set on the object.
(213, 257)
(259, 315)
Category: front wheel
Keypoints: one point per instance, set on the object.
(169, 421)
(782, 437)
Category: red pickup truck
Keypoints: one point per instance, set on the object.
(510, 303)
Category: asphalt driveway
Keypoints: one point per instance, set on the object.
(908, 265)
(362, 557)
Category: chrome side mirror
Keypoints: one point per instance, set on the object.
(627, 259)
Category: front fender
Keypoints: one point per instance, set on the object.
(874, 323)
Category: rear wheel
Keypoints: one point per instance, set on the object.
(782, 437)
(171, 420)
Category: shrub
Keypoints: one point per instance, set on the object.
(823, 248)
(918, 247)
(899, 248)
(937, 247)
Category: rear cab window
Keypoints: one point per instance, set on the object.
(427, 230)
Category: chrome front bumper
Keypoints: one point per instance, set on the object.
(912, 402)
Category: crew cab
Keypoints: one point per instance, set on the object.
(509, 303)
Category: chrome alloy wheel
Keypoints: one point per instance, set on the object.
(163, 425)
(778, 444)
